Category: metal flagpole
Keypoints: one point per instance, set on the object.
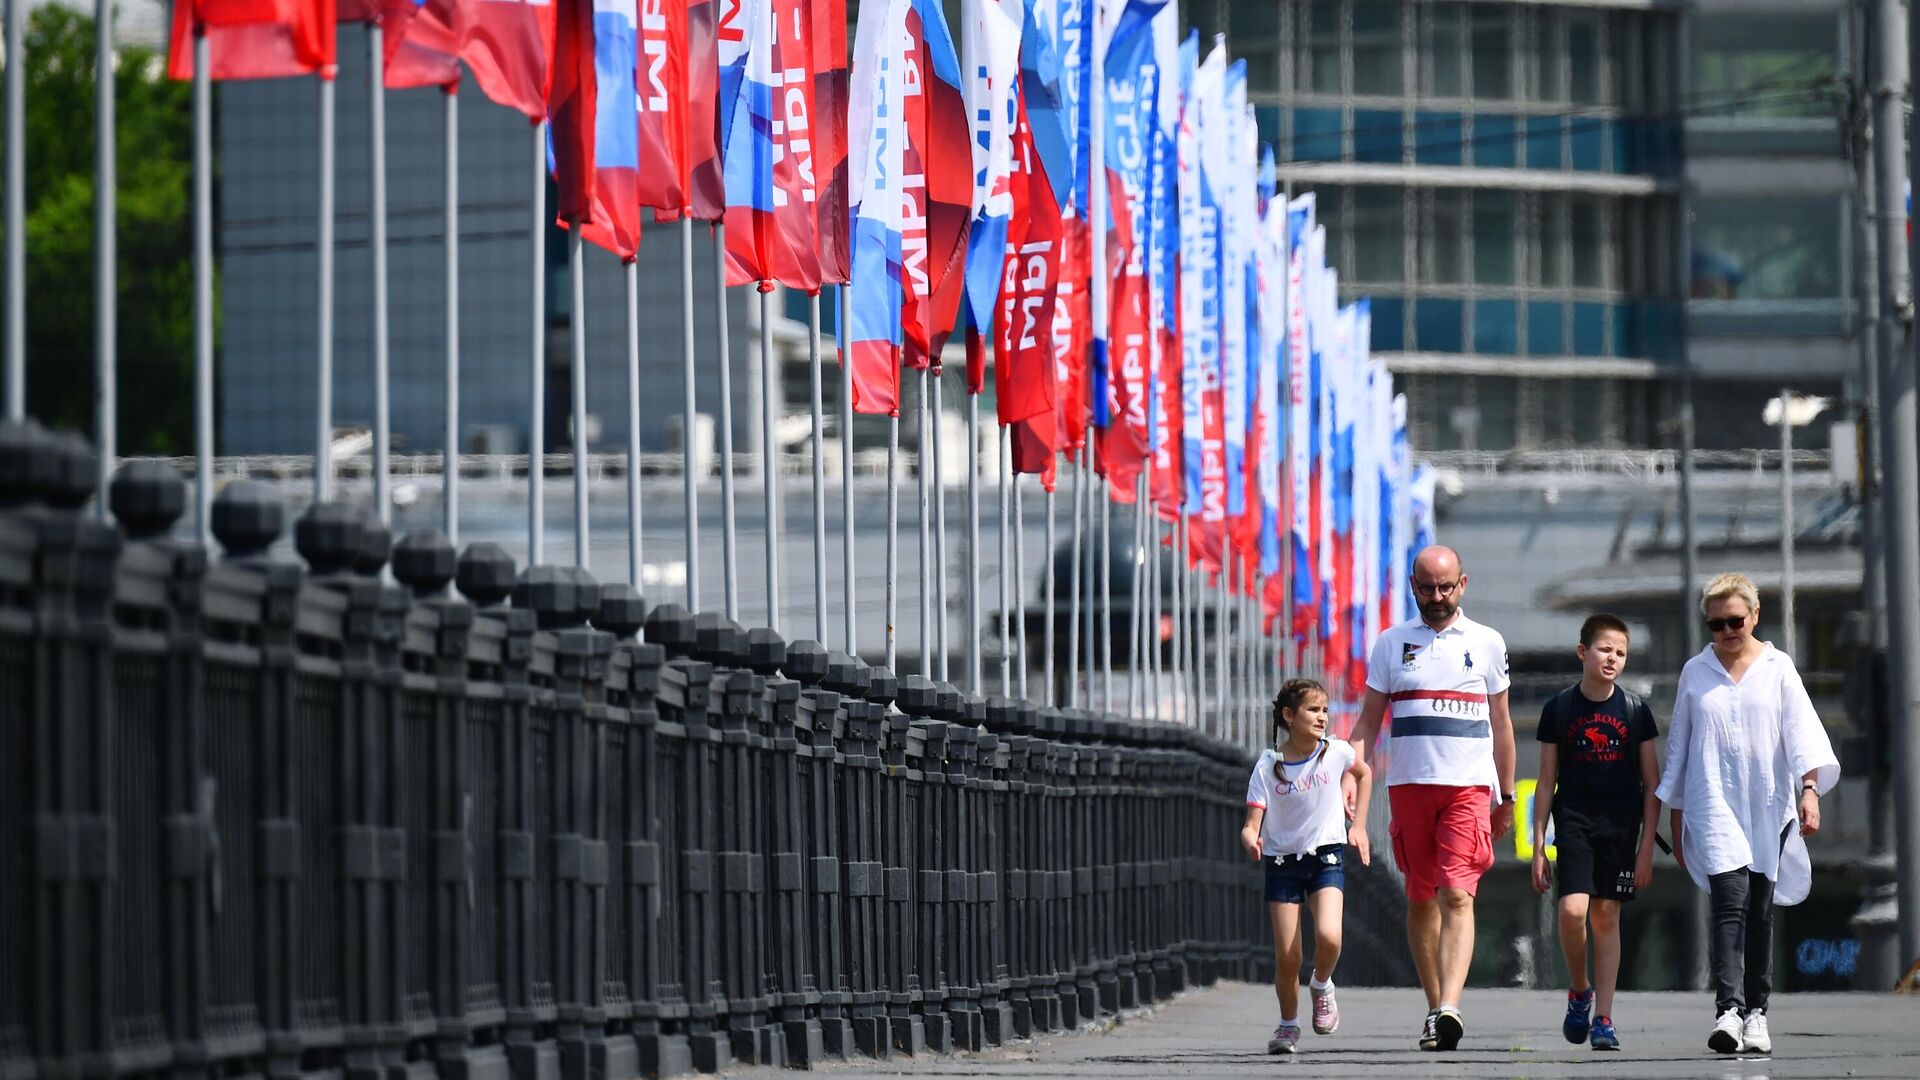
(939, 486)
(926, 537)
(537, 402)
(1009, 582)
(576, 263)
(16, 204)
(450, 453)
(848, 572)
(105, 252)
(1097, 296)
(1086, 569)
(1221, 630)
(1073, 587)
(688, 412)
(1155, 659)
(377, 240)
(633, 423)
(819, 473)
(893, 534)
(1183, 705)
(1786, 525)
(972, 458)
(1105, 624)
(769, 455)
(1019, 606)
(1136, 608)
(729, 566)
(323, 303)
(1900, 465)
(202, 270)
(1049, 599)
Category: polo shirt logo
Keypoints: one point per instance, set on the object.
(1469, 657)
(1409, 652)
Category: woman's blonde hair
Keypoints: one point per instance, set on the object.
(1730, 585)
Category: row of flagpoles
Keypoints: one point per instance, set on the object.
(1072, 190)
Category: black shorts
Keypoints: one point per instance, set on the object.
(1595, 846)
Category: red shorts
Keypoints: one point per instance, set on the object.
(1442, 838)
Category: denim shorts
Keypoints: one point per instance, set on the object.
(1291, 877)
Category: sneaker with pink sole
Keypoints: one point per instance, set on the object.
(1326, 1011)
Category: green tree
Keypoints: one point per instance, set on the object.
(155, 280)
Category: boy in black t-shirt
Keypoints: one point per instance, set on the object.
(1597, 778)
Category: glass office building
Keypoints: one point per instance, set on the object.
(1503, 179)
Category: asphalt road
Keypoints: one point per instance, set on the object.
(1222, 1032)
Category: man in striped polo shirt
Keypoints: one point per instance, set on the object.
(1443, 680)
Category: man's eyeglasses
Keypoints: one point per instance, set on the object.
(1732, 622)
(1444, 588)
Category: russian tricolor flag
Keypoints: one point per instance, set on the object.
(876, 143)
(772, 192)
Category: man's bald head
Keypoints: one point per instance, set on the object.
(1438, 560)
(1438, 584)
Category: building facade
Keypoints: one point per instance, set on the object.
(1777, 235)
(1504, 180)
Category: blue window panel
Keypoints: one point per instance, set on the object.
(1316, 134)
(1377, 137)
(1543, 142)
(1438, 138)
(1496, 327)
(1389, 324)
(1546, 328)
(1626, 330)
(1588, 136)
(1437, 324)
(1266, 118)
(1662, 331)
(1496, 141)
(1629, 141)
(1589, 329)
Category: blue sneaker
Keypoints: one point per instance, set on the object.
(1604, 1037)
(1579, 1008)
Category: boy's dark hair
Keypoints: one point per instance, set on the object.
(1600, 624)
(1293, 694)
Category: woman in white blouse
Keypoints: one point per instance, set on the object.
(1746, 756)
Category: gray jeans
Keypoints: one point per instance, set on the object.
(1742, 940)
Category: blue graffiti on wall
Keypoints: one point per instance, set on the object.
(1827, 956)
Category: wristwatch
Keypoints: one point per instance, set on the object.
(1804, 788)
(1507, 797)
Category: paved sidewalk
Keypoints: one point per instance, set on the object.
(1222, 1032)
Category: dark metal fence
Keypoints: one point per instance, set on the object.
(260, 818)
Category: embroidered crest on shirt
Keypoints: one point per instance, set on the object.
(1469, 656)
(1409, 652)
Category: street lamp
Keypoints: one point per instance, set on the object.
(1789, 411)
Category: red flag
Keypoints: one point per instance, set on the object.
(254, 39)
(1168, 465)
(707, 192)
(1072, 312)
(772, 189)
(1025, 386)
(660, 78)
(1123, 442)
(938, 189)
(830, 101)
(571, 104)
(423, 42)
(509, 47)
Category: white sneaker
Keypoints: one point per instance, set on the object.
(1285, 1039)
(1753, 1034)
(1727, 1036)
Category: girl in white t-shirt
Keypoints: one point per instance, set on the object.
(1297, 824)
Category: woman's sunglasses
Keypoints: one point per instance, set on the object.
(1732, 622)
